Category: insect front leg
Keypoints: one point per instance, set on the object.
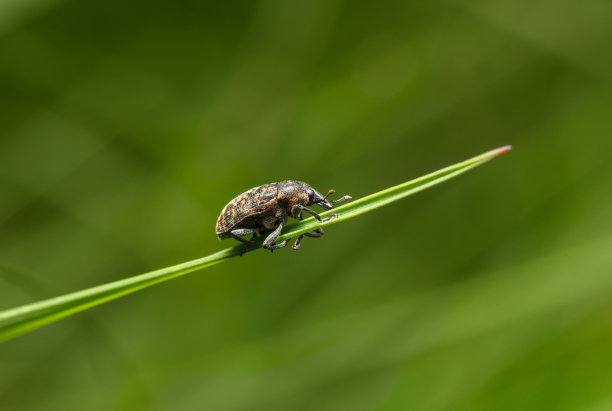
(315, 234)
(268, 243)
(297, 210)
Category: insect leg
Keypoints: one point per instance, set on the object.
(300, 208)
(329, 217)
(270, 239)
(298, 240)
(308, 210)
(296, 212)
(242, 232)
(316, 234)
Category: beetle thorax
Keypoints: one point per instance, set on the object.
(291, 193)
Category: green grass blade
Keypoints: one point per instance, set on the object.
(19, 320)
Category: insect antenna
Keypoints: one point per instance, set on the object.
(342, 199)
(331, 191)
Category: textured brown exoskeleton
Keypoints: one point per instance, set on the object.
(268, 207)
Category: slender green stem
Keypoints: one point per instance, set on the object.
(19, 320)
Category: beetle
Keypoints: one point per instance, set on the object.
(268, 207)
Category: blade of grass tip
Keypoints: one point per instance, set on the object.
(392, 194)
(19, 320)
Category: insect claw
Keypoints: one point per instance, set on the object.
(329, 218)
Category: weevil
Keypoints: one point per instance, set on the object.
(268, 207)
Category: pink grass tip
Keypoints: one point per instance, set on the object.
(501, 150)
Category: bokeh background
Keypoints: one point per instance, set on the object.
(125, 127)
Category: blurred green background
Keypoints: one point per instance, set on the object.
(125, 127)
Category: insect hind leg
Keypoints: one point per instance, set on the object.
(240, 232)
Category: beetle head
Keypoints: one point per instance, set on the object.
(314, 197)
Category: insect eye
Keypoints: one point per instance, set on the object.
(310, 196)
